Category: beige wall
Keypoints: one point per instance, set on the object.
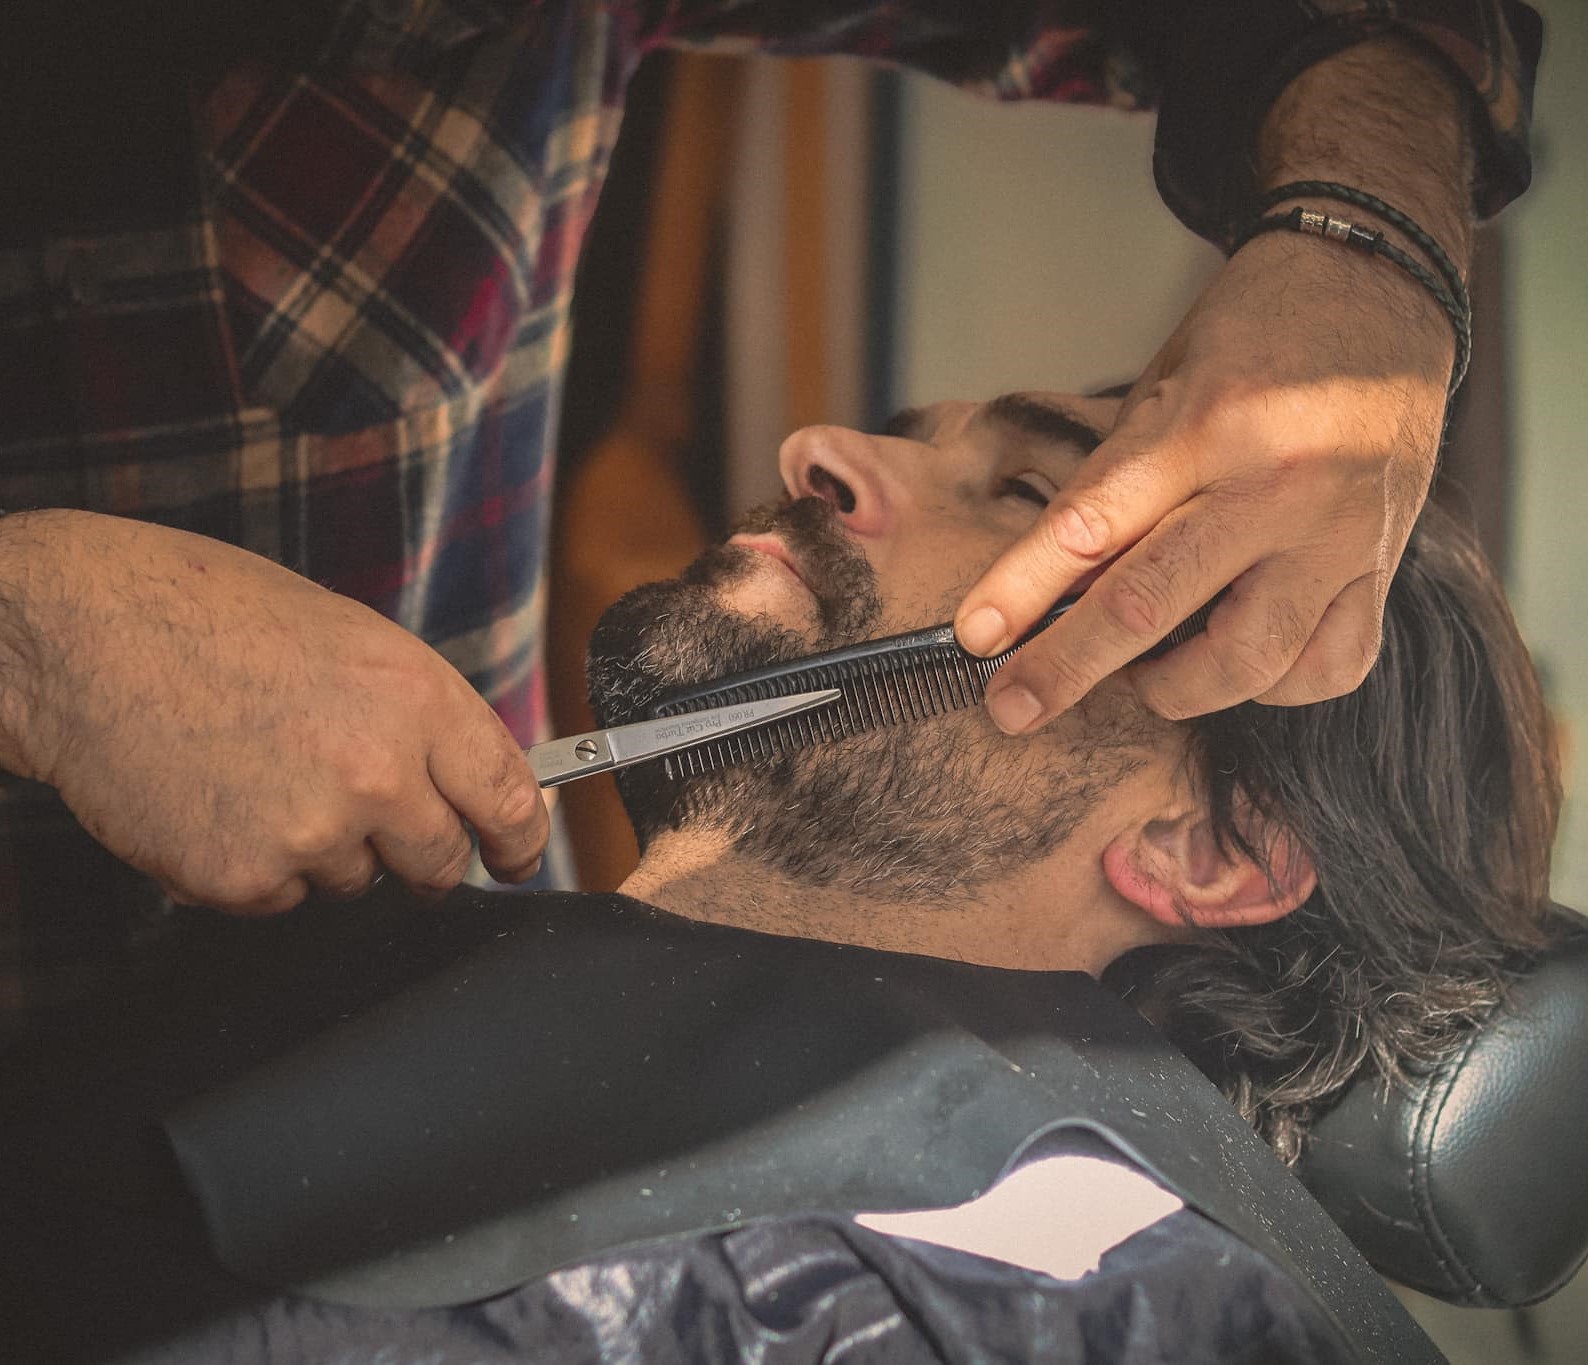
(1034, 251)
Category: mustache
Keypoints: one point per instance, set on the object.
(838, 574)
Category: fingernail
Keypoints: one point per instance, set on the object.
(985, 631)
(1014, 710)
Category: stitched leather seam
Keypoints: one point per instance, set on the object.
(1430, 1111)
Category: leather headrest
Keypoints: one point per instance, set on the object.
(1471, 1183)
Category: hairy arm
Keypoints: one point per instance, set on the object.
(1383, 116)
(238, 732)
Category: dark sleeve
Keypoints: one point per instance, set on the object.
(1212, 67)
(1220, 64)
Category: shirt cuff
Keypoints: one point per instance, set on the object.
(1228, 68)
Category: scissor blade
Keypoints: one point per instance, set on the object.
(601, 751)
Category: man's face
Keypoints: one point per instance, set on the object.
(881, 534)
(933, 501)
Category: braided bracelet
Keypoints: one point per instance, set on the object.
(1371, 241)
(1403, 223)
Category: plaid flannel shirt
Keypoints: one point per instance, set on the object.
(302, 282)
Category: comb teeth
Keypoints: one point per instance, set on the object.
(884, 689)
(880, 682)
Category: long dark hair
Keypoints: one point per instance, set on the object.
(1427, 800)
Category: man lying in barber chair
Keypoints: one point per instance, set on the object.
(858, 979)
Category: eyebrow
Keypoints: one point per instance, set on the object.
(1017, 410)
(907, 423)
(1041, 420)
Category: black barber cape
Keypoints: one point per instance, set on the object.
(574, 1128)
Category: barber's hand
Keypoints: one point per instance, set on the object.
(1280, 444)
(238, 732)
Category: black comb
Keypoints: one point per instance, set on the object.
(881, 682)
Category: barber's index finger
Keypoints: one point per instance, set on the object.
(1124, 488)
(1146, 596)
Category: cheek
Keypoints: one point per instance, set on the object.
(1112, 715)
(926, 580)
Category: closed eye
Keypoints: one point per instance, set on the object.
(1032, 488)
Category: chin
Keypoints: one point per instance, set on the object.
(676, 634)
(780, 602)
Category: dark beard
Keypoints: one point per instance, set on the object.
(924, 809)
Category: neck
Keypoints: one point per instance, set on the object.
(1021, 921)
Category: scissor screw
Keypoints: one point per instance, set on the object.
(587, 749)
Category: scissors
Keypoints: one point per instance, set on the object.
(603, 751)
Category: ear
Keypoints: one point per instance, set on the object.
(1174, 869)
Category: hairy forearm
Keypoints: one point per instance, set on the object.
(1384, 117)
(66, 574)
(237, 731)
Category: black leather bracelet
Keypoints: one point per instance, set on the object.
(1403, 223)
(1370, 241)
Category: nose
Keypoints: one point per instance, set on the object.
(843, 467)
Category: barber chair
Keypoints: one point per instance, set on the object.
(1470, 1183)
